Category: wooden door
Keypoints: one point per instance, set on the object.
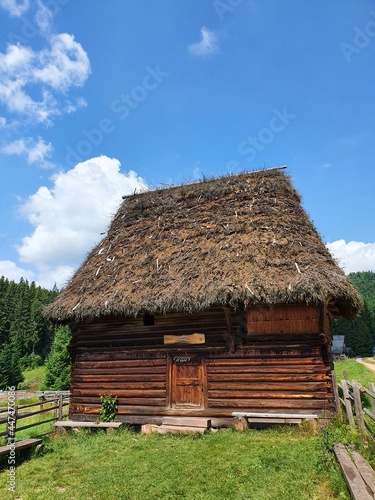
(187, 382)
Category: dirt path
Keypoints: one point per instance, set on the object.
(370, 366)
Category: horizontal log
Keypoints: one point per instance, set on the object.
(145, 393)
(223, 395)
(270, 403)
(266, 377)
(320, 370)
(267, 386)
(109, 369)
(114, 387)
(127, 362)
(249, 360)
(123, 377)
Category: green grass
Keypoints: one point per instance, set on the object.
(33, 379)
(355, 371)
(283, 464)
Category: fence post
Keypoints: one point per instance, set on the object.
(336, 395)
(358, 407)
(348, 404)
(60, 406)
(372, 389)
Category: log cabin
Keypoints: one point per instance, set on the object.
(206, 299)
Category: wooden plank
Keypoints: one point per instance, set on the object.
(274, 420)
(20, 445)
(365, 469)
(353, 478)
(93, 425)
(194, 338)
(275, 415)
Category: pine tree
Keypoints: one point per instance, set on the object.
(10, 371)
(57, 373)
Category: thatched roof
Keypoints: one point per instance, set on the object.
(232, 240)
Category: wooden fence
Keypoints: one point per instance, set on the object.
(349, 403)
(52, 404)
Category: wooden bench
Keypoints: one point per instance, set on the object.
(358, 473)
(20, 445)
(243, 419)
(71, 424)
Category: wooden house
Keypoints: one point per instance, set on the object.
(205, 299)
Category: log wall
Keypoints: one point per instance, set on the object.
(278, 365)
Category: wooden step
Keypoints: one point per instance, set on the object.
(187, 421)
(179, 429)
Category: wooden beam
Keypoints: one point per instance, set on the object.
(194, 338)
(228, 318)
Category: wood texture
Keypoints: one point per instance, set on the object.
(194, 338)
(353, 478)
(276, 370)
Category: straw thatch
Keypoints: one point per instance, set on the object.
(233, 240)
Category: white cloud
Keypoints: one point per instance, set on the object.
(47, 75)
(35, 152)
(11, 271)
(43, 16)
(207, 46)
(15, 8)
(69, 218)
(353, 256)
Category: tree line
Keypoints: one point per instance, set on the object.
(26, 336)
(360, 331)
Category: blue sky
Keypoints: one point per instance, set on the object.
(98, 99)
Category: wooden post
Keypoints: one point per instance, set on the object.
(228, 319)
(358, 408)
(60, 416)
(348, 404)
(344, 375)
(372, 389)
(240, 423)
(41, 399)
(55, 403)
(336, 395)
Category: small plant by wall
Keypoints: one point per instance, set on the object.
(109, 408)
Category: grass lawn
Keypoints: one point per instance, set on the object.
(33, 379)
(355, 371)
(283, 464)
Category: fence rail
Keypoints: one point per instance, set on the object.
(51, 403)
